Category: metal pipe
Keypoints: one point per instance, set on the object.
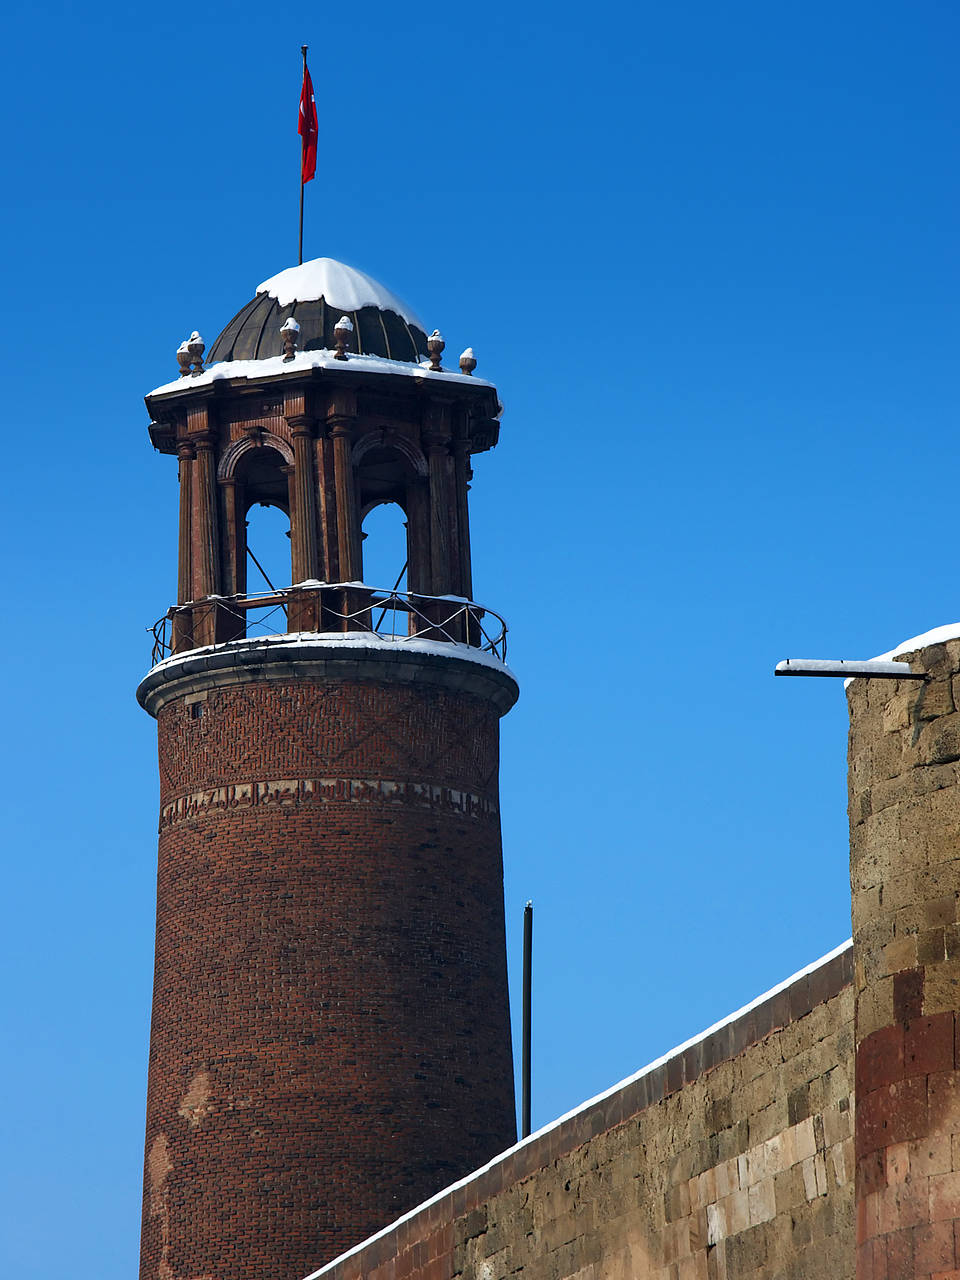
(873, 669)
(525, 1033)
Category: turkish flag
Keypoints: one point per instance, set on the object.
(308, 129)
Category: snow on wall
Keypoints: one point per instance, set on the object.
(339, 286)
(936, 635)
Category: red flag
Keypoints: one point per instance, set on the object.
(307, 128)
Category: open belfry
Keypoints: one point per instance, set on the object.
(330, 1041)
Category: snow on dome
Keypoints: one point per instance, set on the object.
(338, 285)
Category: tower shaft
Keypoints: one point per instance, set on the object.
(330, 1042)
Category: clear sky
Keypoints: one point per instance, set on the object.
(708, 253)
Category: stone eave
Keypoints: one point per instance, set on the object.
(480, 398)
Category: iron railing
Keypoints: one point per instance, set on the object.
(329, 609)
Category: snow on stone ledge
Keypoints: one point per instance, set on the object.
(339, 286)
(323, 643)
(937, 635)
(303, 362)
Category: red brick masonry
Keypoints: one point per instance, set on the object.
(330, 1039)
(908, 1151)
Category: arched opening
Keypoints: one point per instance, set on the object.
(267, 538)
(384, 547)
(263, 535)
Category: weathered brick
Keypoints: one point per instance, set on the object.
(329, 943)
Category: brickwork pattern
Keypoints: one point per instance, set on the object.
(330, 1039)
(905, 880)
(734, 1160)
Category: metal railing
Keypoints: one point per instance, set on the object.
(329, 609)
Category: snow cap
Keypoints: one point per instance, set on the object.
(339, 286)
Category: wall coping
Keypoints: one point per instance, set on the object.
(788, 1001)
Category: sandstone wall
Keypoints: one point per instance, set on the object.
(905, 878)
(732, 1159)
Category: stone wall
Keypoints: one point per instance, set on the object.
(731, 1158)
(905, 878)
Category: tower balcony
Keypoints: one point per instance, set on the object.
(331, 610)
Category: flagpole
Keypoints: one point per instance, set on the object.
(303, 51)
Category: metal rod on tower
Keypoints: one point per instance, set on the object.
(844, 668)
(525, 1033)
(303, 53)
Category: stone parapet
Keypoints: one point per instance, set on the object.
(731, 1158)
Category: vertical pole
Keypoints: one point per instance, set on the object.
(303, 53)
(525, 1065)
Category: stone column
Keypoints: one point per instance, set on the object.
(304, 510)
(231, 541)
(207, 622)
(182, 629)
(461, 477)
(206, 540)
(327, 505)
(347, 531)
(186, 455)
(438, 459)
(419, 571)
(905, 882)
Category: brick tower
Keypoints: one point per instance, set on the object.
(330, 1040)
(905, 879)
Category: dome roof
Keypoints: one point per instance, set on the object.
(316, 294)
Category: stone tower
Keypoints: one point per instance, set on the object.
(330, 1040)
(905, 880)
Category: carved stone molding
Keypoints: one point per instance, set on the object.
(295, 791)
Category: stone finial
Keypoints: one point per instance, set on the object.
(196, 348)
(468, 362)
(290, 331)
(184, 358)
(435, 345)
(341, 333)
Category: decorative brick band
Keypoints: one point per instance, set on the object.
(293, 791)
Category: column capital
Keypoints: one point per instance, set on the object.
(340, 425)
(186, 451)
(301, 424)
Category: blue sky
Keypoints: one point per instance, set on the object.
(708, 254)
